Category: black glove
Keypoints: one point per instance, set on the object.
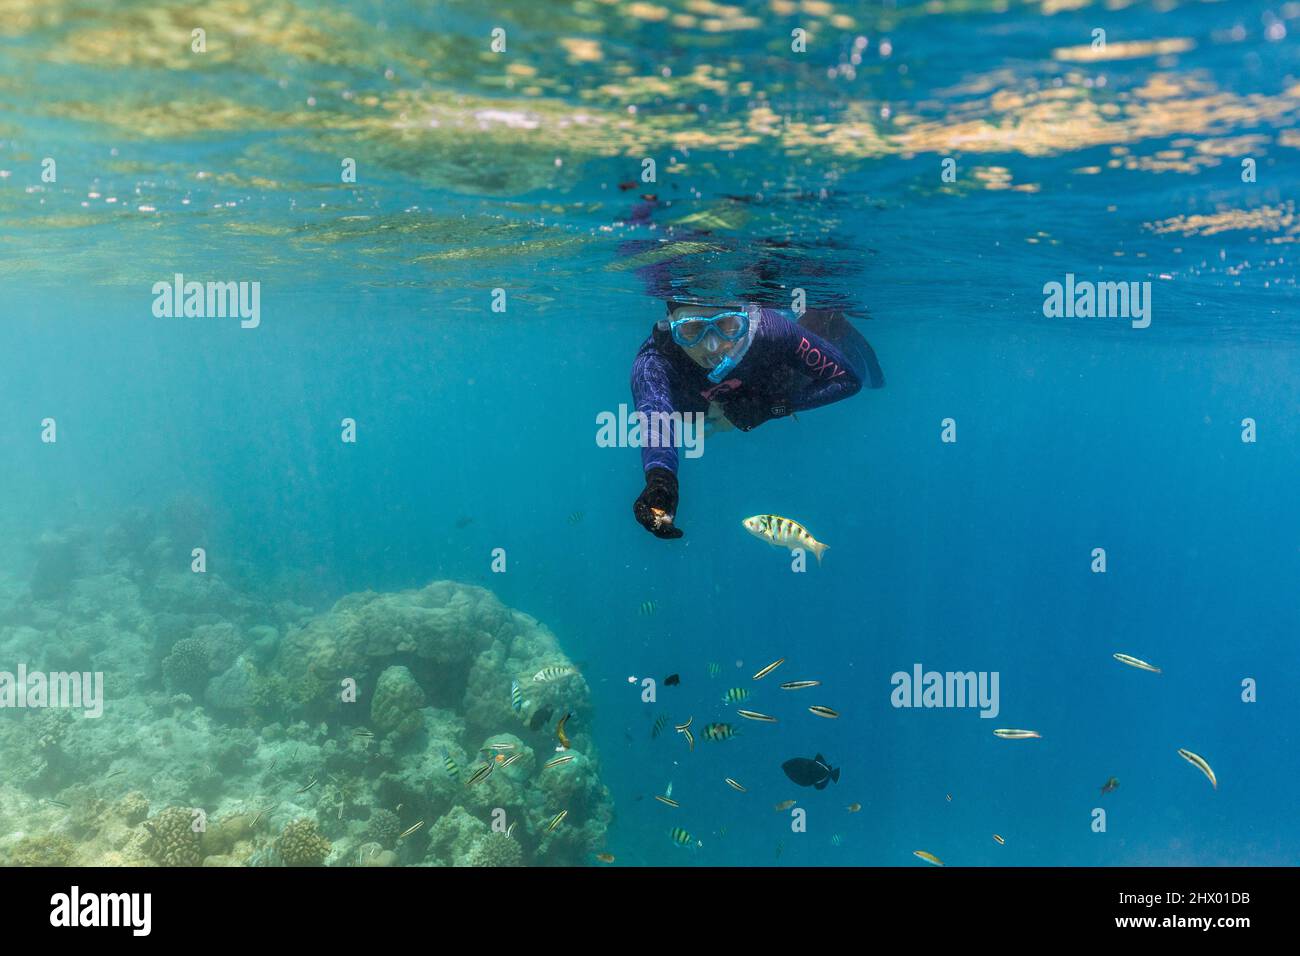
(657, 506)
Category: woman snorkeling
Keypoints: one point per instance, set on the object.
(740, 365)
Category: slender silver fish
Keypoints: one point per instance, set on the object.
(1134, 662)
(1197, 761)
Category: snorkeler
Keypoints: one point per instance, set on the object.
(741, 365)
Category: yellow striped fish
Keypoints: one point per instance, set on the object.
(784, 533)
(1017, 734)
(511, 759)
(735, 786)
(1001, 842)
(1199, 763)
(557, 820)
(928, 857)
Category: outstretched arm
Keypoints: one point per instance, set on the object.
(652, 389)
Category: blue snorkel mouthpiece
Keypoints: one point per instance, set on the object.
(722, 369)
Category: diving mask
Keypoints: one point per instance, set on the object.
(730, 326)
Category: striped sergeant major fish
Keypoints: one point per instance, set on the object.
(784, 533)
(683, 838)
(449, 765)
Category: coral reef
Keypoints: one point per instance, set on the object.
(397, 702)
(383, 827)
(44, 850)
(302, 845)
(186, 667)
(134, 807)
(496, 849)
(345, 737)
(173, 839)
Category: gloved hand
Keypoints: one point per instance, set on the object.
(657, 506)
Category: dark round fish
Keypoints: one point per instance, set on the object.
(810, 773)
(540, 718)
(672, 680)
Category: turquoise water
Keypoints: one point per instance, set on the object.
(775, 170)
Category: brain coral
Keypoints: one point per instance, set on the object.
(301, 845)
(172, 839)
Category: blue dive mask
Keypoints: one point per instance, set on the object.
(729, 326)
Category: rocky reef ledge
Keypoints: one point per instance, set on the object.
(238, 730)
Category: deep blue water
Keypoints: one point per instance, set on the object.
(1072, 433)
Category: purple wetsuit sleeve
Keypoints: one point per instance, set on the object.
(652, 391)
(828, 374)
